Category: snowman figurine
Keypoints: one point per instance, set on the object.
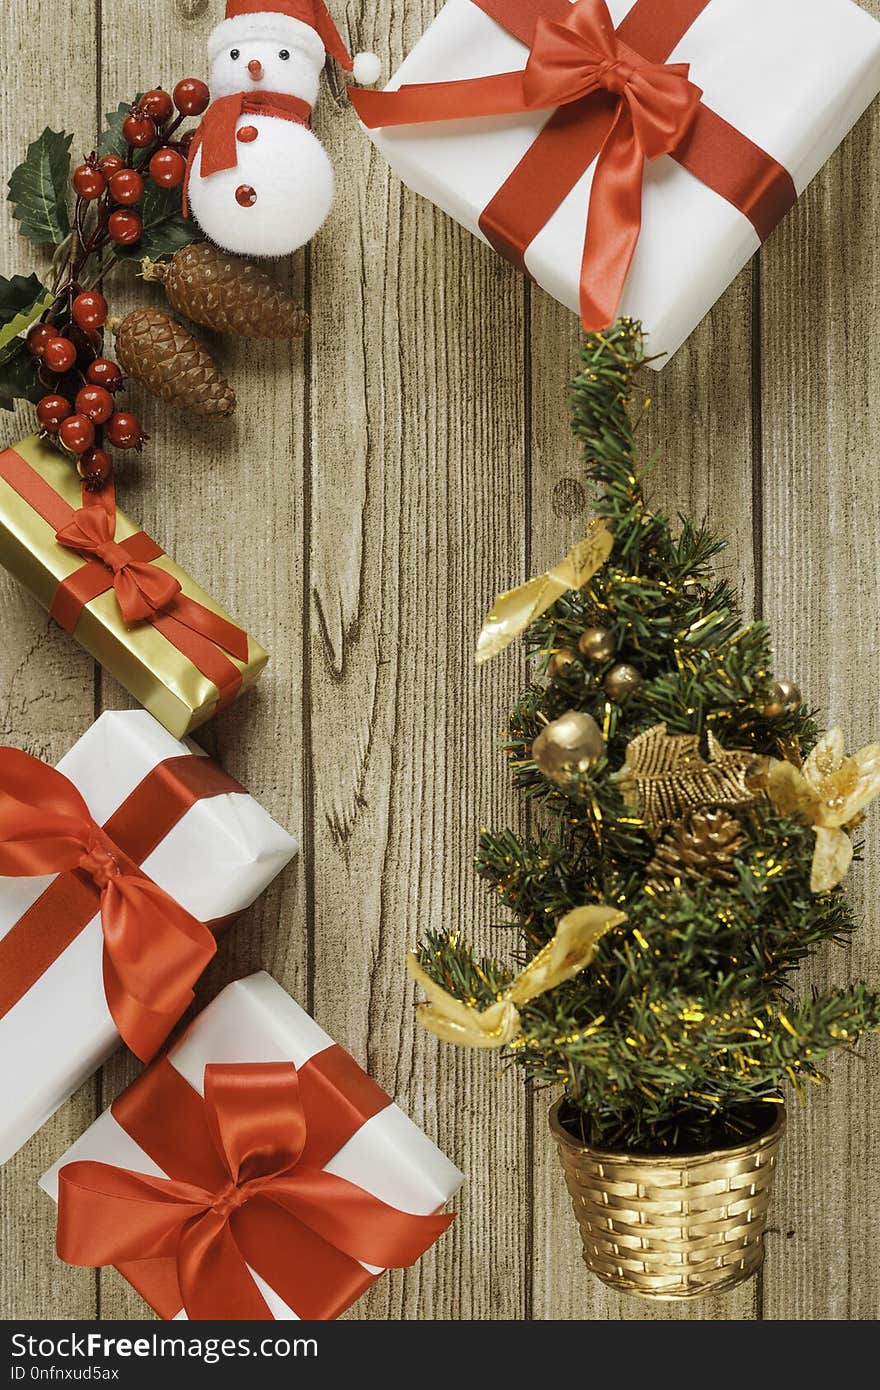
(258, 181)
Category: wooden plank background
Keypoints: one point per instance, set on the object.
(379, 484)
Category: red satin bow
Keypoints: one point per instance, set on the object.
(247, 1190)
(656, 105)
(154, 951)
(142, 590)
(582, 53)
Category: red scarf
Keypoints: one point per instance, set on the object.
(215, 136)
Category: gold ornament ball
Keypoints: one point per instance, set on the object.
(597, 644)
(784, 696)
(561, 662)
(570, 744)
(622, 680)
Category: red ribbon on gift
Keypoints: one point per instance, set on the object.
(216, 134)
(245, 1186)
(620, 102)
(153, 951)
(144, 592)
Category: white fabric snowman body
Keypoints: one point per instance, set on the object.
(260, 182)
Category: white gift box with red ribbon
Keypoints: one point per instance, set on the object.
(215, 861)
(255, 1021)
(793, 76)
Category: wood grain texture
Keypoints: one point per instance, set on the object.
(416, 499)
(379, 484)
(46, 683)
(821, 424)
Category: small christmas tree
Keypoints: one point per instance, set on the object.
(695, 832)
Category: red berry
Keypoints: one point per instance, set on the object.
(138, 130)
(89, 309)
(124, 430)
(52, 412)
(157, 104)
(191, 97)
(103, 372)
(39, 338)
(185, 141)
(77, 434)
(126, 187)
(59, 355)
(89, 182)
(245, 195)
(94, 467)
(95, 403)
(109, 163)
(125, 228)
(167, 168)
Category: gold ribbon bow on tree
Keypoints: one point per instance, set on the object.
(571, 950)
(514, 611)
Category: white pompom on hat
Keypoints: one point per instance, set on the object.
(305, 25)
(367, 68)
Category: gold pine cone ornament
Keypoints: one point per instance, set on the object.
(226, 293)
(703, 846)
(159, 353)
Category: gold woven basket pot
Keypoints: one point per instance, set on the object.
(671, 1226)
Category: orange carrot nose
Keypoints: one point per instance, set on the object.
(255, 68)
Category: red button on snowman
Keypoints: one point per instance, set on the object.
(259, 182)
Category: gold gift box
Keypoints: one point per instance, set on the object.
(159, 676)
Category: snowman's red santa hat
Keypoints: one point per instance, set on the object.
(301, 24)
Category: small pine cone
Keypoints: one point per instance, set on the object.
(168, 361)
(227, 294)
(702, 846)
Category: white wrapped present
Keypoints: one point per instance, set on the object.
(254, 1172)
(781, 84)
(149, 806)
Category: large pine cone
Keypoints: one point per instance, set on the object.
(703, 845)
(227, 294)
(168, 361)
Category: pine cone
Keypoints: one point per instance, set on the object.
(168, 361)
(226, 293)
(702, 846)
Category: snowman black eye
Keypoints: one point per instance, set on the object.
(284, 55)
(236, 53)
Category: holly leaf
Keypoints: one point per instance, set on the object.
(18, 375)
(166, 229)
(111, 140)
(23, 300)
(38, 189)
